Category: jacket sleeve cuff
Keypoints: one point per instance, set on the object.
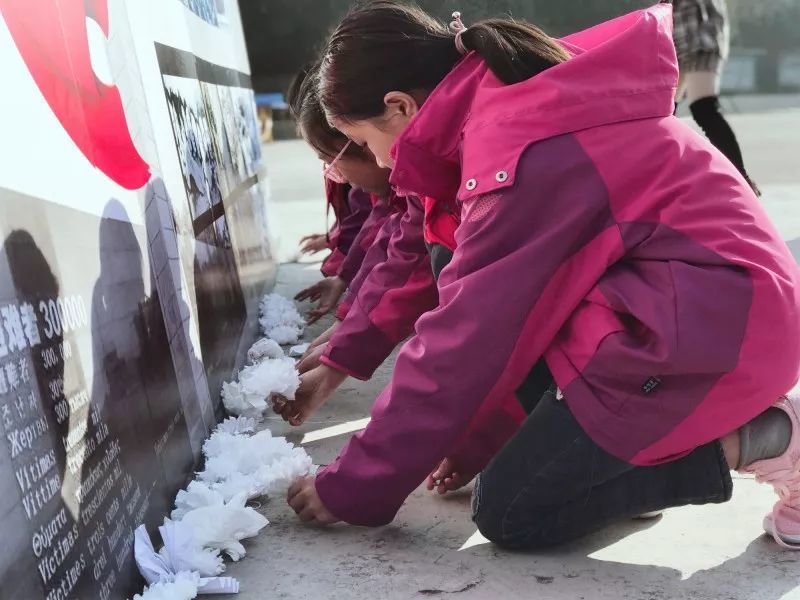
(489, 431)
(325, 360)
(358, 347)
(342, 310)
(335, 488)
(330, 267)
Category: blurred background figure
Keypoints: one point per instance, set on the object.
(702, 41)
(265, 121)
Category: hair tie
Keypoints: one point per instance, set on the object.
(457, 26)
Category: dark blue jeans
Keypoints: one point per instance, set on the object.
(552, 484)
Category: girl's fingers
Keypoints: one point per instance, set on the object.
(443, 470)
(283, 409)
(305, 365)
(298, 502)
(308, 514)
(307, 294)
(314, 315)
(293, 490)
(458, 482)
(278, 404)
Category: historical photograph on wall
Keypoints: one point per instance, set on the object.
(212, 111)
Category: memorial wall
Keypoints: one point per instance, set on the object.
(134, 250)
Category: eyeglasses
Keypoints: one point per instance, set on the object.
(330, 171)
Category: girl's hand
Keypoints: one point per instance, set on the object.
(328, 291)
(304, 500)
(311, 293)
(311, 244)
(321, 339)
(448, 477)
(311, 358)
(316, 386)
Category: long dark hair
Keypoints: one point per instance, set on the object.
(385, 46)
(309, 116)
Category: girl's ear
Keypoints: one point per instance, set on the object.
(400, 104)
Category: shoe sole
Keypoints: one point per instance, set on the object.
(769, 529)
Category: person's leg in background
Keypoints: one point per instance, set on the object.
(702, 94)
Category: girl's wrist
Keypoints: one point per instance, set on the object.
(332, 377)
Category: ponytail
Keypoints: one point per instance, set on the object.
(513, 50)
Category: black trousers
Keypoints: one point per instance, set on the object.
(552, 484)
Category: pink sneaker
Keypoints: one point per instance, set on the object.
(783, 472)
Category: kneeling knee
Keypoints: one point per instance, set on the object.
(496, 520)
(490, 514)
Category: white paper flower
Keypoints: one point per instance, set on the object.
(271, 376)
(196, 495)
(237, 425)
(222, 527)
(264, 348)
(183, 587)
(237, 401)
(184, 551)
(248, 396)
(280, 320)
(284, 334)
(299, 350)
(255, 465)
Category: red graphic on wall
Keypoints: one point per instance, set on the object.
(51, 36)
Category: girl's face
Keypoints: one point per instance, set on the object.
(379, 133)
(375, 135)
(362, 173)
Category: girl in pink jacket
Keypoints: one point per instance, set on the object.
(597, 231)
(386, 272)
(355, 187)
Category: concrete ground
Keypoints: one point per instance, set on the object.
(432, 549)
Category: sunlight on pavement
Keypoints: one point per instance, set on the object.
(329, 432)
(711, 539)
(476, 539)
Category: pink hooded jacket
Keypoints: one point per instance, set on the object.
(598, 231)
(393, 287)
(380, 211)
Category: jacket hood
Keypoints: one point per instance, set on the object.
(469, 134)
